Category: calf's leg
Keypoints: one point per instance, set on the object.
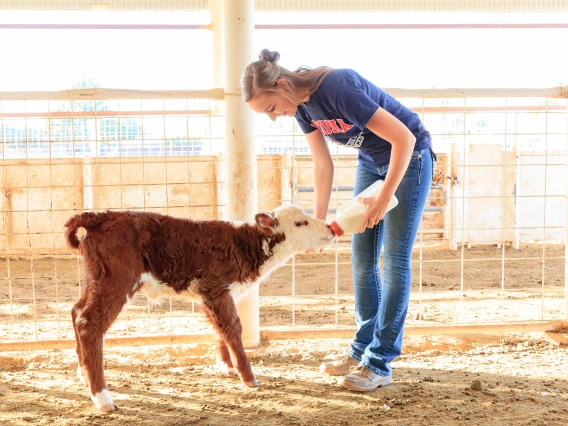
(76, 316)
(222, 314)
(97, 315)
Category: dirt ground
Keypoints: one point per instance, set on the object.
(510, 379)
(520, 380)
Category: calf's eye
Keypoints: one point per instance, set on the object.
(298, 223)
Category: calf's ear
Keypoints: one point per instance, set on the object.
(265, 220)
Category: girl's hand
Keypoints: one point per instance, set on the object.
(375, 210)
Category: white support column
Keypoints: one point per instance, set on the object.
(242, 204)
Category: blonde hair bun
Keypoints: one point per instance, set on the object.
(269, 55)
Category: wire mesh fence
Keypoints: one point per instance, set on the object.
(491, 249)
(63, 157)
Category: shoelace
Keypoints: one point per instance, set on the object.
(359, 369)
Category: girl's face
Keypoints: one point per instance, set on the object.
(273, 104)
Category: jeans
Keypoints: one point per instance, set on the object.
(381, 304)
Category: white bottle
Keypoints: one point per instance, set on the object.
(349, 216)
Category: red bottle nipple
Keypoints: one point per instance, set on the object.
(336, 229)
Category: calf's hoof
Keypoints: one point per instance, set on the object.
(103, 401)
(107, 408)
(251, 383)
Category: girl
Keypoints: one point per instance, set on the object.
(343, 107)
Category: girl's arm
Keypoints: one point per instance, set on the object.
(391, 129)
(323, 172)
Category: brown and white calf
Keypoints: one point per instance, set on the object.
(214, 262)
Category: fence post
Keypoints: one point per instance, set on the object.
(88, 196)
(242, 203)
(286, 180)
(221, 180)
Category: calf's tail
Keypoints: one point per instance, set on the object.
(87, 220)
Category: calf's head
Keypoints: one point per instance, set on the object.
(302, 232)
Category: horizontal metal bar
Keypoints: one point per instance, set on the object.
(103, 114)
(115, 341)
(416, 330)
(310, 211)
(96, 94)
(311, 188)
(38, 26)
(345, 188)
(554, 92)
(345, 7)
(409, 26)
(427, 209)
(297, 333)
(219, 94)
(103, 27)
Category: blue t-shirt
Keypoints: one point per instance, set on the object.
(343, 105)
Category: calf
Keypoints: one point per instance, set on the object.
(214, 262)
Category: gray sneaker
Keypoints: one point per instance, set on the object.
(339, 368)
(363, 380)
